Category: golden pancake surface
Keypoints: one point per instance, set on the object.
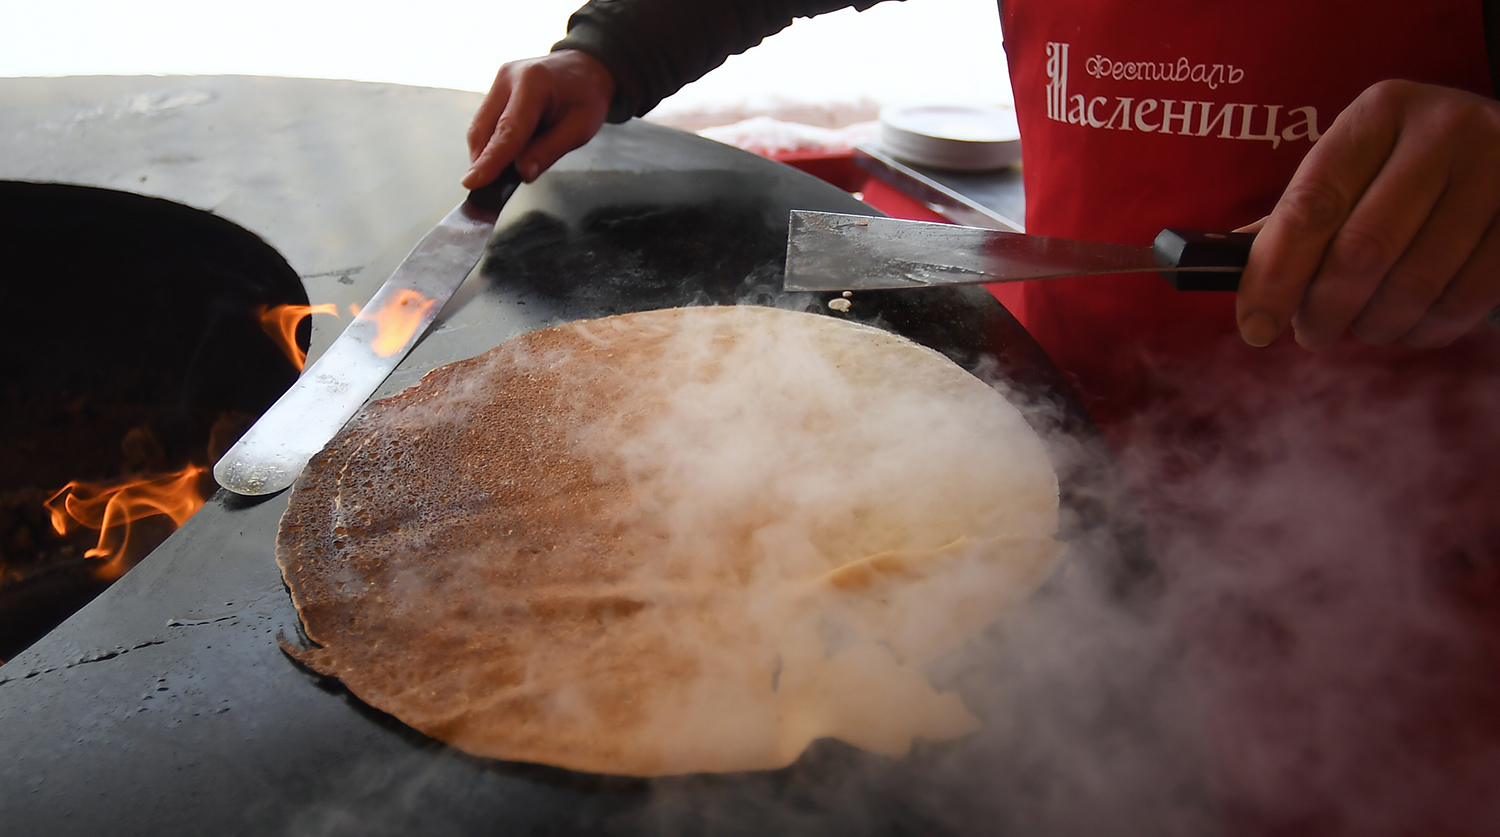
(673, 541)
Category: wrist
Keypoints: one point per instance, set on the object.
(591, 69)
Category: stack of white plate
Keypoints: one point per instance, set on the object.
(952, 137)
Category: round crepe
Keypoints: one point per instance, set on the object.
(673, 541)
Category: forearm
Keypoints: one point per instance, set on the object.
(655, 47)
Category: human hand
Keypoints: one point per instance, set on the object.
(537, 110)
(1388, 228)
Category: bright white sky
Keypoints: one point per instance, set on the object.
(913, 52)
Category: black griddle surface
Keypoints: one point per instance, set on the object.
(167, 707)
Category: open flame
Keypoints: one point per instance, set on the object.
(397, 321)
(281, 323)
(111, 507)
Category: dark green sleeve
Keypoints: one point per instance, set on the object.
(655, 47)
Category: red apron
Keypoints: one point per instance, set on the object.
(1137, 117)
(1331, 521)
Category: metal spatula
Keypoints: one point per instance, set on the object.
(829, 251)
(273, 452)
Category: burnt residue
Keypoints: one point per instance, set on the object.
(712, 253)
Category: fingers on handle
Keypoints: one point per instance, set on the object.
(511, 132)
(1454, 264)
(1472, 294)
(577, 128)
(537, 110)
(1286, 255)
(1292, 245)
(1432, 262)
(482, 126)
(1368, 269)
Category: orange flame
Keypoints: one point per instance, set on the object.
(281, 324)
(397, 321)
(111, 507)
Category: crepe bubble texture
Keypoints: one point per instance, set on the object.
(689, 540)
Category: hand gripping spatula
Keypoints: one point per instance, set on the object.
(830, 251)
(273, 452)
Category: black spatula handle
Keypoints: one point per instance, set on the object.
(1190, 249)
(494, 195)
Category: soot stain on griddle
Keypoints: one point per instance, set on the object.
(833, 788)
(622, 258)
